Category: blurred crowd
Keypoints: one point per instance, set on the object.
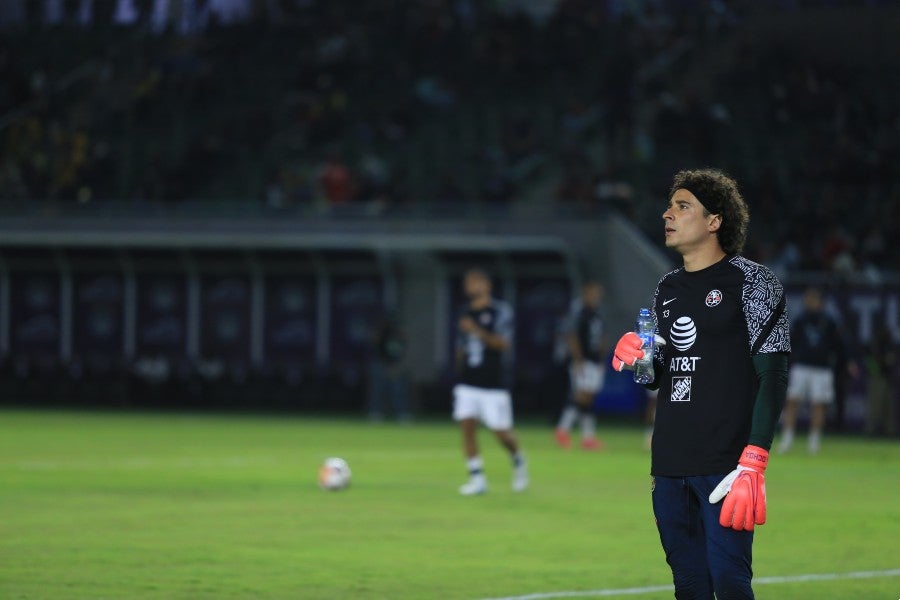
(822, 138)
(303, 101)
(384, 103)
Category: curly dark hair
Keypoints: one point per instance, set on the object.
(719, 195)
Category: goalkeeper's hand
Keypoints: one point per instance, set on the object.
(744, 490)
(628, 350)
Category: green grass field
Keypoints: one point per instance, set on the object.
(180, 506)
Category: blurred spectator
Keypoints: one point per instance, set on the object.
(520, 141)
(275, 195)
(336, 181)
(614, 192)
(433, 92)
(375, 178)
(577, 187)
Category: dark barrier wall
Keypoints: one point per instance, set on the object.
(98, 315)
(161, 309)
(225, 318)
(357, 304)
(190, 332)
(540, 304)
(35, 315)
(291, 316)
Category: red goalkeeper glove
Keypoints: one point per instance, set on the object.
(744, 490)
(628, 350)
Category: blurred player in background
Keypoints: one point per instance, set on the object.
(818, 350)
(587, 347)
(722, 378)
(485, 333)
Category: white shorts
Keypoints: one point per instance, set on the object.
(815, 384)
(491, 407)
(588, 378)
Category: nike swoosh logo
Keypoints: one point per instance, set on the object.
(669, 300)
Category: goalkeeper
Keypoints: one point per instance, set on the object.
(722, 379)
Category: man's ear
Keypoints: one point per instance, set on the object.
(715, 223)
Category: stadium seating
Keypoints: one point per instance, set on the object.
(474, 118)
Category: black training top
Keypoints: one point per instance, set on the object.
(483, 366)
(587, 325)
(815, 340)
(713, 320)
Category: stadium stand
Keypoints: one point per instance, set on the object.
(350, 119)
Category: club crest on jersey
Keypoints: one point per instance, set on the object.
(713, 298)
(681, 389)
(683, 333)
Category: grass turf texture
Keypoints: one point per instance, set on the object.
(180, 506)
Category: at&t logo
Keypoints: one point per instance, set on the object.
(683, 333)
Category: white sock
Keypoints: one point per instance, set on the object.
(475, 466)
(570, 413)
(815, 440)
(518, 459)
(787, 437)
(588, 426)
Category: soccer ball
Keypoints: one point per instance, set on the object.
(334, 474)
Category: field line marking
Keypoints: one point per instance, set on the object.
(828, 576)
(635, 591)
(639, 591)
(140, 463)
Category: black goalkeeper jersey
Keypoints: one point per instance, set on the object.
(713, 320)
(483, 366)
